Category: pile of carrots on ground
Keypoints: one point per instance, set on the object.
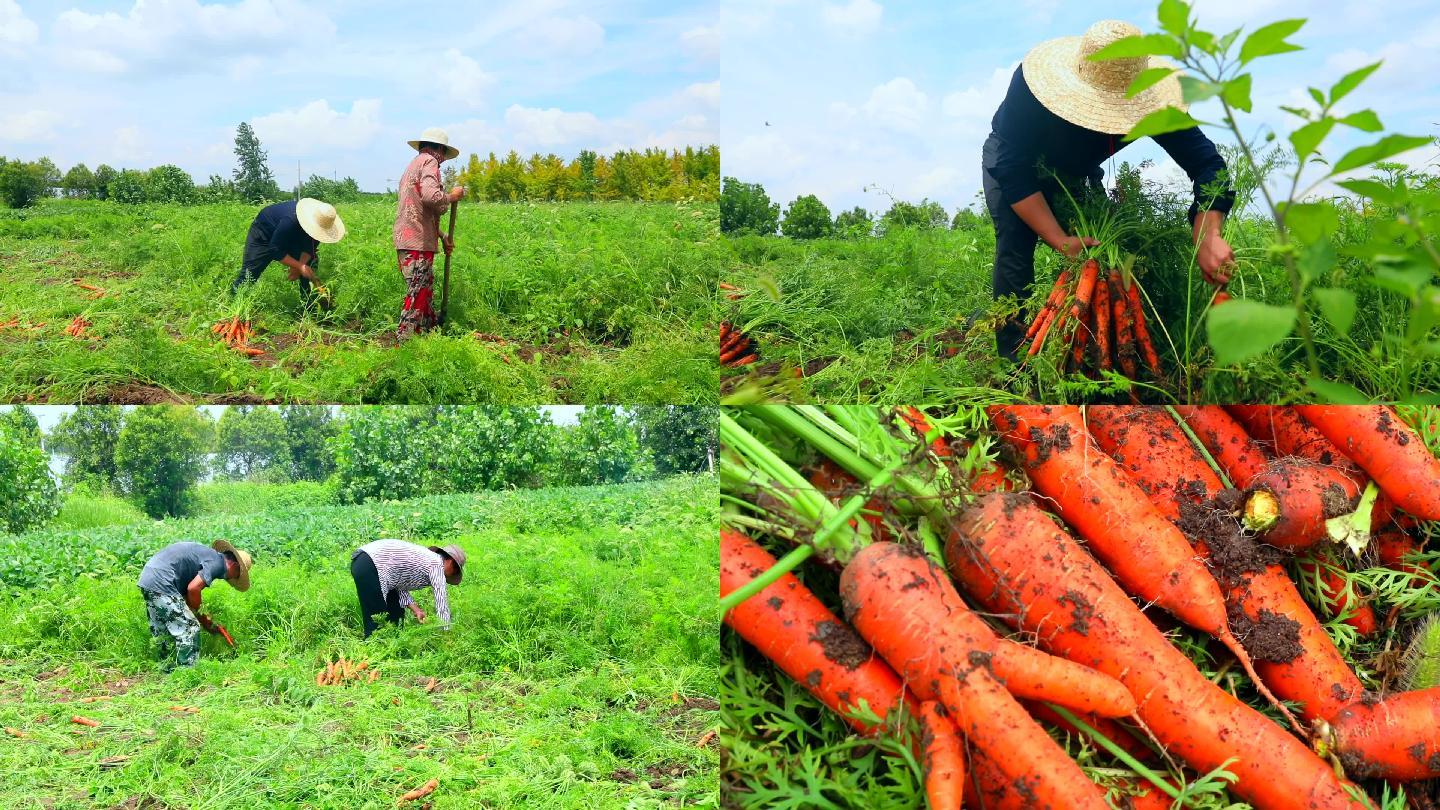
(1097, 315)
(736, 347)
(341, 671)
(1098, 536)
(77, 326)
(236, 333)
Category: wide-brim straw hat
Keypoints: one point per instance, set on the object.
(320, 220)
(458, 555)
(1092, 94)
(435, 135)
(242, 581)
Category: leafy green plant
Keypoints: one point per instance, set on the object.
(28, 496)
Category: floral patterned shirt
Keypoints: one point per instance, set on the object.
(422, 200)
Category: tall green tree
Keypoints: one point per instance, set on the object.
(28, 495)
(79, 181)
(806, 218)
(746, 208)
(253, 180)
(309, 430)
(854, 223)
(481, 447)
(20, 418)
(603, 447)
(384, 452)
(87, 438)
(161, 455)
(252, 444)
(680, 438)
(22, 183)
(103, 175)
(169, 184)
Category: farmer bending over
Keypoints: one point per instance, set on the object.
(171, 583)
(417, 228)
(1069, 114)
(386, 571)
(290, 232)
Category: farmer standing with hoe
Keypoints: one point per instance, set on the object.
(1069, 114)
(289, 232)
(417, 228)
(386, 571)
(171, 583)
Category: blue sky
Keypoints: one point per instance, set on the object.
(899, 95)
(340, 85)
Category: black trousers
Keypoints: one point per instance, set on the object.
(1014, 270)
(367, 587)
(258, 256)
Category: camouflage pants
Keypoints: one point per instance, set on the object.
(416, 314)
(173, 626)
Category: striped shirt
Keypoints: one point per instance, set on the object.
(407, 567)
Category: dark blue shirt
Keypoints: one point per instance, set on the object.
(279, 229)
(1029, 135)
(174, 567)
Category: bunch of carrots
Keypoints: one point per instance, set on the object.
(236, 333)
(342, 671)
(77, 326)
(1097, 315)
(736, 347)
(987, 607)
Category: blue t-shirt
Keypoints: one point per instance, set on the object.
(279, 230)
(173, 568)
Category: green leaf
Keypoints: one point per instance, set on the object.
(1311, 222)
(1365, 121)
(1148, 78)
(1298, 112)
(1243, 329)
(1318, 257)
(1195, 91)
(1228, 40)
(1169, 119)
(1143, 45)
(1350, 81)
(1317, 95)
(1336, 393)
(1308, 137)
(1174, 16)
(1386, 147)
(1270, 40)
(1407, 281)
(1203, 40)
(1374, 190)
(1237, 92)
(1338, 307)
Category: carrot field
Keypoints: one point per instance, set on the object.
(569, 302)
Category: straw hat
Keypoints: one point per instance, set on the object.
(320, 220)
(435, 135)
(242, 580)
(1092, 94)
(458, 555)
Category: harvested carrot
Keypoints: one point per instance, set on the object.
(734, 354)
(1085, 288)
(745, 361)
(1232, 448)
(1046, 321)
(1113, 731)
(790, 626)
(1220, 297)
(725, 330)
(1291, 500)
(420, 792)
(1124, 331)
(1052, 302)
(250, 351)
(1102, 326)
(943, 761)
(725, 286)
(16, 733)
(1029, 673)
(84, 721)
(1142, 331)
(905, 606)
(374, 675)
(1387, 449)
(1397, 737)
(430, 687)
(1076, 610)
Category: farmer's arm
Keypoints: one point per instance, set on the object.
(1197, 155)
(1016, 155)
(300, 266)
(192, 598)
(1035, 212)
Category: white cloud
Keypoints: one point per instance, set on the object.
(703, 42)
(898, 104)
(17, 32)
(567, 36)
(856, 16)
(473, 135)
(551, 126)
(158, 34)
(29, 126)
(316, 127)
(707, 93)
(127, 145)
(463, 78)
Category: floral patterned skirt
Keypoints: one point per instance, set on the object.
(417, 313)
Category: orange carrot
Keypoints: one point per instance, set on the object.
(1116, 733)
(943, 760)
(1389, 451)
(1291, 500)
(1102, 312)
(1232, 448)
(1046, 321)
(1014, 559)
(1142, 332)
(790, 626)
(1085, 289)
(1219, 298)
(84, 721)
(250, 351)
(906, 607)
(1083, 331)
(725, 330)
(838, 484)
(735, 353)
(1031, 674)
(421, 792)
(744, 361)
(1124, 331)
(1397, 737)
(1294, 656)
(1052, 302)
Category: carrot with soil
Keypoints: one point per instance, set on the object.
(1387, 449)
(1141, 330)
(942, 758)
(1239, 455)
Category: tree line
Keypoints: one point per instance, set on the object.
(155, 456)
(653, 175)
(745, 208)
